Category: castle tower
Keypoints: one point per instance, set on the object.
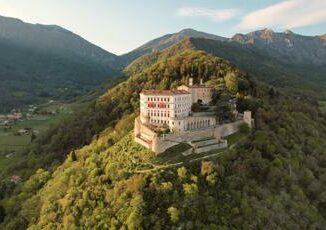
(247, 118)
(191, 81)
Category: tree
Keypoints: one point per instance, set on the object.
(190, 189)
(182, 172)
(174, 214)
(231, 82)
(33, 137)
(207, 167)
(195, 107)
(73, 156)
(2, 213)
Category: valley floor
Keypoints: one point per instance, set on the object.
(13, 144)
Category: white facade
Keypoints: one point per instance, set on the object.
(164, 107)
(171, 109)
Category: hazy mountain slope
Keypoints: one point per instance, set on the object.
(287, 47)
(39, 62)
(52, 39)
(167, 41)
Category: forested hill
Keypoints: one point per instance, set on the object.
(43, 62)
(284, 59)
(274, 178)
(298, 78)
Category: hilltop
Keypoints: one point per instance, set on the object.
(273, 178)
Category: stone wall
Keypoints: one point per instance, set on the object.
(220, 145)
(228, 129)
(158, 144)
(143, 131)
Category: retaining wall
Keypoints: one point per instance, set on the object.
(159, 144)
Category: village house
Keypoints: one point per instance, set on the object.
(22, 132)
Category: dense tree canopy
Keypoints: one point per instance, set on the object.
(274, 179)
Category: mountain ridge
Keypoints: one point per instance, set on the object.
(51, 38)
(166, 41)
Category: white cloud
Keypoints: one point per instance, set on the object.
(213, 14)
(286, 14)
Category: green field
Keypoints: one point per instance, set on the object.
(10, 143)
(322, 106)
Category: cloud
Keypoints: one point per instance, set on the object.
(213, 14)
(286, 14)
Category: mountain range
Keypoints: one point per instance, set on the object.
(41, 62)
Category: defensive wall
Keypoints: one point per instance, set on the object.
(158, 144)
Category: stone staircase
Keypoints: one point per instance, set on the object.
(209, 144)
(143, 141)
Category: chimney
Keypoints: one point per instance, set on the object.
(191, 81)
(201, 81)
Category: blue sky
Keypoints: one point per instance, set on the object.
(122, 25)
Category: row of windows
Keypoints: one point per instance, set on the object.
(158, 99)
(182, 98)
(160, 105)
(182, 105)
(198, 124)
(155, 113)
(167, 99)
(159, 121)
(181, 111)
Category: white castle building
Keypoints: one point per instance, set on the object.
(172, 108)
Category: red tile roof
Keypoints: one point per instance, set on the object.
(164, 92)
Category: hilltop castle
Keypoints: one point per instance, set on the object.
(172, 108)
(168, 112)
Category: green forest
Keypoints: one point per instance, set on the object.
(88, 173)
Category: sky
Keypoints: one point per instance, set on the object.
(120, 26)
